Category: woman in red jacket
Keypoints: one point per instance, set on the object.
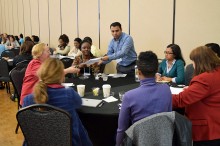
(202, 98)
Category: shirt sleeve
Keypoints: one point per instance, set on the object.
(64, 51)
(126, 46)
(198, 89)
(123, 121)
(179, 79)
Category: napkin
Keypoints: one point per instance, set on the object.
(67, 84)
(110, 99)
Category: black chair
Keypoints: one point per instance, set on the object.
(16, 51)
(22, 64)
(67, 62)
(4, 74)
(45, 125)
(102, 68)
(161, 129)
(188, 74)
(17, 76)
(8, 53)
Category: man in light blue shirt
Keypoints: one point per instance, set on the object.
(121, 49)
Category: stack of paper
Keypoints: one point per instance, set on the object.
(110, 99)
(175, 90)
(90, 102)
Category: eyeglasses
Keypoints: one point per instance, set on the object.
(165, 52)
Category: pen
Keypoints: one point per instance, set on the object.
(101, 104)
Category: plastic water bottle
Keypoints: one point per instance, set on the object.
(136, 74)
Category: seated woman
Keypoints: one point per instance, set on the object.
(50, 91)
(63, 47)
(86, 55)
(25, 53)
(171, 69)
(148, 99)
(40, 53)
(75, 51)
(201, 98)
(12, 43)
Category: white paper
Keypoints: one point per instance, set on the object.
(9, 60)
(71, 57)
(92, 61)
(176, 90)
(67, 84)
(110, 99)
(117, 75)
(91, 102)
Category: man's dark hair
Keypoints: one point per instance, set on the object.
(65, 38)
(215, 47)
(147, 63)
(114, 24)
(21, 35)
(36, 39)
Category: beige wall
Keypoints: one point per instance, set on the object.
(197, 22)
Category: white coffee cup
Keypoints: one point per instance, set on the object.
(106, 90)
(81, 90)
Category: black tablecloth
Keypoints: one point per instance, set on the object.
(102, 122)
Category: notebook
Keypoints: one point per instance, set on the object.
(91, 102)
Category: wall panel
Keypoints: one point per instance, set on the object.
(197, 24)
(44, 25)
(27, 18)
(55, 23)
(1, 17)
(112, 11)
(14, 17)
(151, 25)
(21, 25)
(34, 17)
(7, 28)
(69, 19)
(88, 20)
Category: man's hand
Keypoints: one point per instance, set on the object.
(104, 58)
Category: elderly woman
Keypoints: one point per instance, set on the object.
(86, 55)
(63, 47)
(201, 98)
(40, 53)
(171, 68)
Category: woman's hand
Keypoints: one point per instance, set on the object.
(166, 79)
(71, 69)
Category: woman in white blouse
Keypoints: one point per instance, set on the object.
(75, 51)
(63, 47)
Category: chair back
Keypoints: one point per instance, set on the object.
(45, 125)
(67, 62)
(102, 68)
(188, 74)
(22, 64)
(159, 130)
(4, 69)
(8, 53)
(16, 51)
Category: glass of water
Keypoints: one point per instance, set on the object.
(121, 94)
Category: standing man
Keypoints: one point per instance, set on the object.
(121, 49)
